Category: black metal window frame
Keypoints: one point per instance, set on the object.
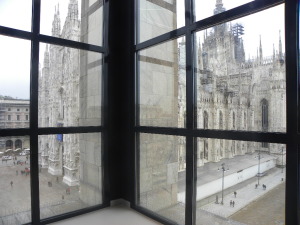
(291, 138)
(34, 130)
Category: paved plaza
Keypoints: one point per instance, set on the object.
(247, 196)
(15, 197)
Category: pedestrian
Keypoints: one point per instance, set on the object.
(62, 197)
(11, 183)
(14, 163)
(265, 187)
(234, 194)
(233, 203)
(255, 186)
(230, 203)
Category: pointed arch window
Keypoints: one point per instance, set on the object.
(221, 120)
(233, 120)
(264, 115)
(205, 120)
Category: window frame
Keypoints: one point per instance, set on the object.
(34, 131)
(291, 138)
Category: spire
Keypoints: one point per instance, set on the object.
(273, 52)
(46, 56)
(219, 7)
(200, 66)
(280, 46)
(260, 50)
(219, 3)
(73, 9)
(56, 24)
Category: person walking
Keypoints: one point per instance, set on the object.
(234, 194)
(230, 203)
(233, 203)
(11, 183)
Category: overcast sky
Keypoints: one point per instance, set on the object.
(15, 53)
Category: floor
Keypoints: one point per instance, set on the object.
(119, 214)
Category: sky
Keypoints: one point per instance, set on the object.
(15, 71)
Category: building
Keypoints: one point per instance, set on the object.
(233, 92)
(70, 96)
(14, 113)
(140, 158)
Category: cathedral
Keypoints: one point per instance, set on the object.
(59, 99)
(233, 93)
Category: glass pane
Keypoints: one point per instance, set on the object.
(162, 85)
(162, 175)
(16, 14)
(204, 8)
(157, 17)
(241, 74)
(70, 174)
(76, 20)
(240, 181)
(14, 83)
(70, 87)
(15, 180)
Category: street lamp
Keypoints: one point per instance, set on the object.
(258, 168)
(282, 160)
(223, 171)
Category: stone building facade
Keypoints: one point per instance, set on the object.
(234, 93)
(70, 95)
(59, 99)
(14, 113)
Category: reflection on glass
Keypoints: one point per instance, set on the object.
(15, 180)
(240, 181)
(16, 14)
(162, 85)
(69, 87)
(76, 20)
(162, 175)
(69, 172)
(14, 83)
(158, 17)
(240, 68)
(204, 8)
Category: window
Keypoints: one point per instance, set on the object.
(235, 86)
(264, 115)
(176, 106)
(62, 144)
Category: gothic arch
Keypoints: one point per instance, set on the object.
(264, 114)
(205, 120)
(220, 120)
(233, 120)
(264, 119)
